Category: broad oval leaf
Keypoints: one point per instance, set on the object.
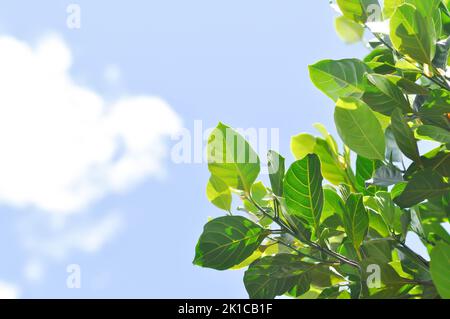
(440, 268)
(227, 241)
(348, 30)
(355, 219)
(273, 276)
(423, 185)
(339, 78)
(303, 190)
(332, 168)
(412, 34)
(384, 97)
(302, 145)
(434, 133)
(359, 128)
(404, 136)
(410, 87)
(232, 159)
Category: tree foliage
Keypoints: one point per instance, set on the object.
(334, 224)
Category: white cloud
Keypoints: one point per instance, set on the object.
(9, 291)
(62, 145)
(59, 237)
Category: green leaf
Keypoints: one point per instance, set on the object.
(348, 30)
(404, 136)
(381, 60)
(412, 34)
(410, 87)
(218, 193)
(436, 109)
(423, 185)
(359, 128)
(358, 10)
(273, 276)
(332, 168)
(393, 153)
(302, 145)
(440, 269)
(438, 161)
(276, 172)
(384, 96)
(339, 78)
(232, 159)
(390, 6)
(365, 168)
(427, 8)
(303, 190)
(379, 250)
(355, 219)
(258, 193)
(227, 241)
(434, 133)
(333, 203)
(390, 213)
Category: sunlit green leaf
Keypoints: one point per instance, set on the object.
(359, 128)
(227, 241)
(340, 78)
(356, 219)
(348, 30)
(232, 159)
(219, 193)
(303, 190)
(413, 34)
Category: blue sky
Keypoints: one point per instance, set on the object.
(240, 62)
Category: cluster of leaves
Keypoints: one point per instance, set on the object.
(307, 238)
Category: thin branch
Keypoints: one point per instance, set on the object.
(331, 253)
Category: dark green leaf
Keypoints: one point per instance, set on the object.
(404, 136)
(440, 269)
(434, 133)
(423, 185)
(273, 276)
(227, 241)
(384, 97)
(276, 172)
(436, 109)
